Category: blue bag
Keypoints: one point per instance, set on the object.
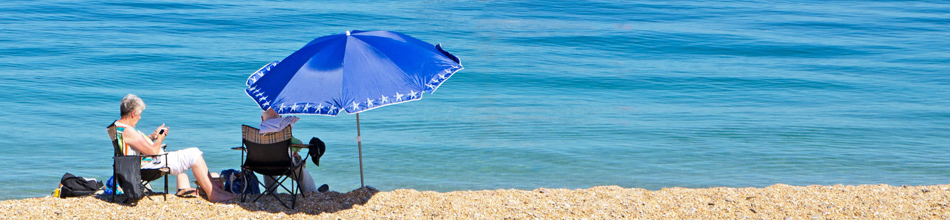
(236, 182)
(108, 189)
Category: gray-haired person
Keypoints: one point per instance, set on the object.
(136, 142)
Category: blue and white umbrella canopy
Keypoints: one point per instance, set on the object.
(352, 72)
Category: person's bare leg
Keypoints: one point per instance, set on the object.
(182, 181)
(215, 194)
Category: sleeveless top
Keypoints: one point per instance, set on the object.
(147, 162)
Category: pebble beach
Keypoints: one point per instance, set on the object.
(603, 202)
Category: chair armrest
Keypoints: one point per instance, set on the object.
(153, 155)
(300, 145)
(150, 155)
(237, 148)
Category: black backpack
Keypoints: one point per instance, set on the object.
(74, 186)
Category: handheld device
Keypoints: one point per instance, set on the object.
(162, 131)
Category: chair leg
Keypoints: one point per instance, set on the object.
(273, 188)
(165, 196)
(291, 174)
(266, 189)
(296, 178)
(148, 190)
(114, 180)
(165, 173)
(246, 182)
(293, 192)
(244, 173)
(300, 181)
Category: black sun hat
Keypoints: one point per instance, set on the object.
(317, 148)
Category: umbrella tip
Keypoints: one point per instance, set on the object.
(347, 33)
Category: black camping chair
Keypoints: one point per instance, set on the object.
(122, 162)
(267, 154)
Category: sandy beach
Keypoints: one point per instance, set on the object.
(603, 202)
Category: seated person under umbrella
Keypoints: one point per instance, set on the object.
(273, 122)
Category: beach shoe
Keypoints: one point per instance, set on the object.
(324, 188)
(187, 193)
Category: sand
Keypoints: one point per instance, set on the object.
(603, 202)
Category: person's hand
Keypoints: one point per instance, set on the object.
(159, 128)
(158, 131)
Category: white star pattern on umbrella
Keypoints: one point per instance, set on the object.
(320, 107)
(266, 103)
(369, 103)
(412, 93)
(383, 100)
(356, 106)
(398, 96)
(281, 107)
(305, 107)
(294, 107)
(263, 98)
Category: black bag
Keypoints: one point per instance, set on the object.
(74, 186)
(128, 173)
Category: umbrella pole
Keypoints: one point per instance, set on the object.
(360, 144)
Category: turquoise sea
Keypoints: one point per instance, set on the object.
(554, 94)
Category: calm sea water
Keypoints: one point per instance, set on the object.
(569, 94)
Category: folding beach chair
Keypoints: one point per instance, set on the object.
(268, 154)
(123, 167)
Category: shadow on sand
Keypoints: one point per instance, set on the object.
(121, 199)
(310, 203)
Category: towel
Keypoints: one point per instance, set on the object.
(277, 124)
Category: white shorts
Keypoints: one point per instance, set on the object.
(181, 160)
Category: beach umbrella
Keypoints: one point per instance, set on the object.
(352, 72)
